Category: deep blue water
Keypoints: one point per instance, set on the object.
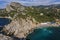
(50, 33)
(4, 21)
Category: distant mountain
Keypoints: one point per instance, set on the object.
(26, 19)
(50, 12)
(53, 5)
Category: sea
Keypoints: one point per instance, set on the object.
(45, 33)
(3, 22)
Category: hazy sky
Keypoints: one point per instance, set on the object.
(3, 3)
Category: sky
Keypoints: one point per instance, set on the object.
(3, 3)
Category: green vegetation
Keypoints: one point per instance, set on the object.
(3, 13)
(42, 14)
(39, 14)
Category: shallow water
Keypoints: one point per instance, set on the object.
(50, 33)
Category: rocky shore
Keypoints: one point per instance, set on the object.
(19, 29)
(3, 37)
(6, 37)
(21, 24)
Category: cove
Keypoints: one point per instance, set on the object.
(4, 21)
(47, 33)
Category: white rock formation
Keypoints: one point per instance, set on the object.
(20, 28)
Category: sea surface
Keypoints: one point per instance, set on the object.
(4, 21)
(47, 33)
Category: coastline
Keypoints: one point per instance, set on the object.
(47, 24)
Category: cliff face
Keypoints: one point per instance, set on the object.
(25, 19)
(3, 37)
(20, 28)
(21, 24)
(14, 7)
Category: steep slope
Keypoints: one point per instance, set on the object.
(14, 7)
(21, 25)
(26, 19)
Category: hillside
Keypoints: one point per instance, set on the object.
(26, 19)
(48, 13)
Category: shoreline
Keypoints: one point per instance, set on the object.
(48, 24)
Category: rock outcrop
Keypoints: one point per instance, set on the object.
(14, 7)
(24, 20)
(20, 28)
(3, 37)
(6, 37)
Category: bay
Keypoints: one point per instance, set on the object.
(47, 33)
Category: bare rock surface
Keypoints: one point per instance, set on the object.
(6, 37)
(19, 28)
(3, 37)
(14, 6)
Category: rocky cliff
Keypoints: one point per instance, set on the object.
(3, 37)
(14, 7)
(20, 28)
(24, 19)
(21, 25)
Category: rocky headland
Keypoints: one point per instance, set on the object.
(22, 23)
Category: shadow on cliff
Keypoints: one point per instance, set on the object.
(49, 33)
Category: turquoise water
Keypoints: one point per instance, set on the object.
(50, 33)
